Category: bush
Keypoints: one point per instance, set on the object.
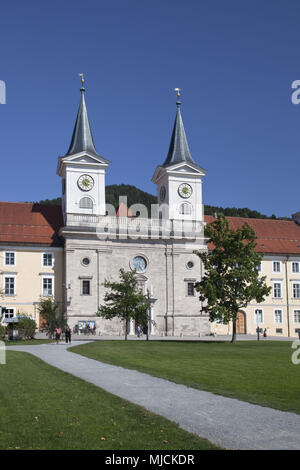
(26, 328)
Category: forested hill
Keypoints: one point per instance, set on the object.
(137, 196)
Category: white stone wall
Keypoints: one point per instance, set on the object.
(166, 276)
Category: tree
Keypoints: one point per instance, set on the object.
(48, 309)
(231, 278)
(124, 300)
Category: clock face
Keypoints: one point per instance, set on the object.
(139, 263)
(185, 190)
(85, 182)
(162, 193)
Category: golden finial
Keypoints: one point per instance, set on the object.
(178, 102)
(82, 80)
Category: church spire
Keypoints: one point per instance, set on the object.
(82, 139)
(179, 149)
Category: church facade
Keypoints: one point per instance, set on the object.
(68, 252)
(159, 246)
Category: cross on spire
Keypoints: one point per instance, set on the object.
(82, 81)
(178, 90)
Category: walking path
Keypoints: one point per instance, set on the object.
(227, 422)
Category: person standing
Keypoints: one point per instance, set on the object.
(68, 334)
(138, 331)
(265, 332)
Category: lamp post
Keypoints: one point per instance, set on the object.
(148, 313)
(257, 329)
(149, 300)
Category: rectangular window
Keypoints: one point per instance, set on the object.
(9, 285)
(86, 288)
(47, 286)
(295, 267)
(258, 314)
(190, 289)
(9, 258)
(276, 266)
(296, 290)
(278, 316)
(296, 316)
(47, 259)
(277, 290)
(8, 312)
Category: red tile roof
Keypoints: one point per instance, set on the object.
(38, 224)
(273, 236)
(35, 224)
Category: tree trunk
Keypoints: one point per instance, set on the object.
(233, 339)
(126, 328)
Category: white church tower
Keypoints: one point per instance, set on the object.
(82, 170)
(179, 178)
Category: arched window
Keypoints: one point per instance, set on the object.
(86, 203)
(185, 208)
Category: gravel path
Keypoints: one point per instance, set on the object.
(227, 422)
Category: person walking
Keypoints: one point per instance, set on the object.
(138, 331)
(68, 334)
(57, 334)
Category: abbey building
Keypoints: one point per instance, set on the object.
(67, 252)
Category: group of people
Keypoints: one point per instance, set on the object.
(58, 332)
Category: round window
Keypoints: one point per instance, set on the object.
(85, 261)
(190, 264)
(139, 263)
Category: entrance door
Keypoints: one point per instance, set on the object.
(241, 323)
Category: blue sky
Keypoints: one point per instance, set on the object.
(234, 60)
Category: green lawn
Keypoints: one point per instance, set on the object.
(257, 372)
(42, 407)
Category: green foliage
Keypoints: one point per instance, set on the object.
(48, 309)
(55, 202)
(26, 327)
(239, 212)
(231, 278)
(124, 300)
(235, 212)
(3, 331)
